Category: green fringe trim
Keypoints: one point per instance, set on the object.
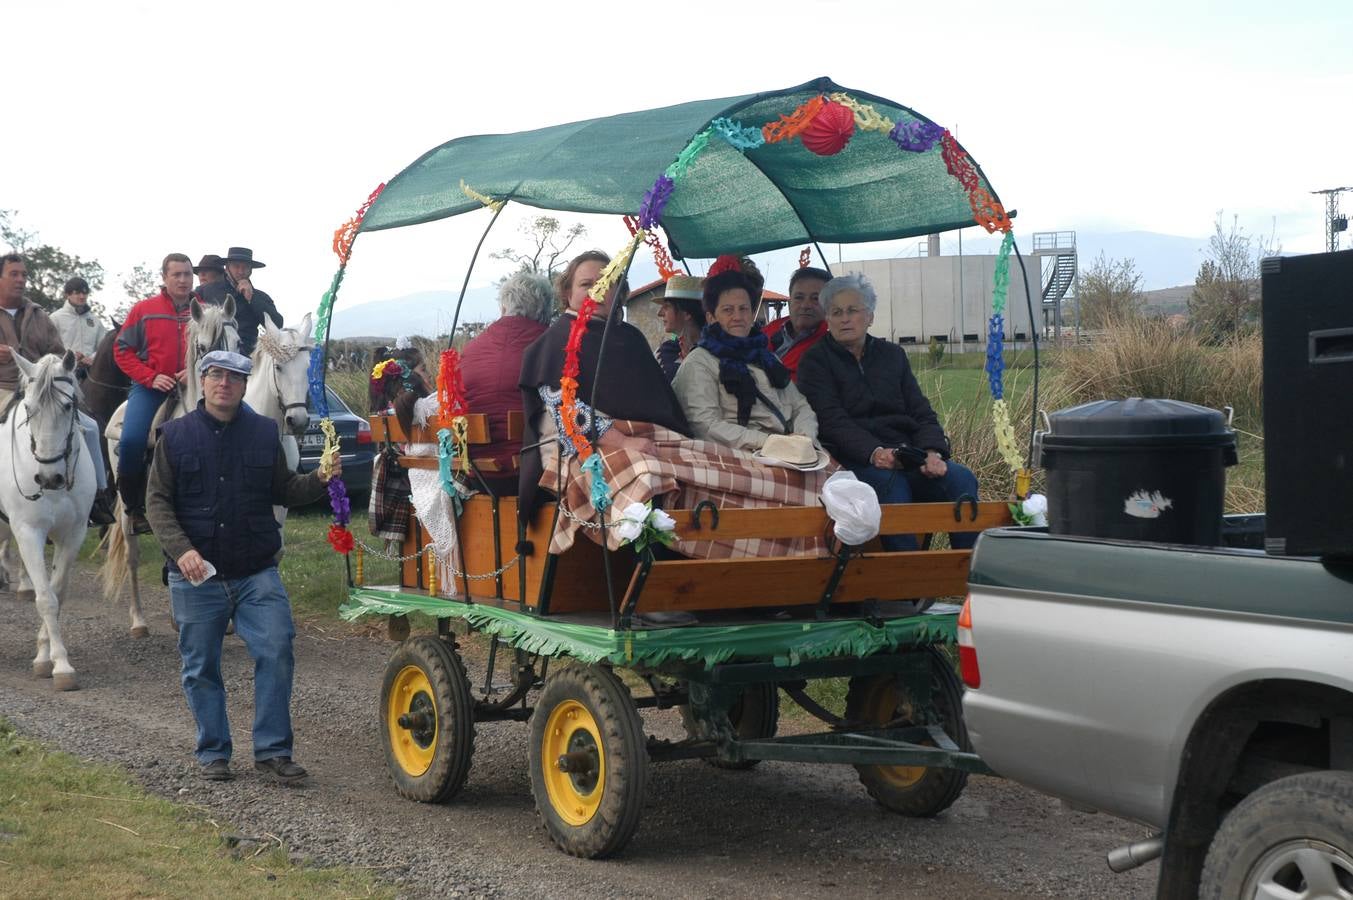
(785, 643)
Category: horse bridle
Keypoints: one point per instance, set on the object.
(277, 386)
(69, 454)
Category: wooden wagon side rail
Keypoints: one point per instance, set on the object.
(695, 584)
(807, 521)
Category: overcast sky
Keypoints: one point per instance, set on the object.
(139, 128)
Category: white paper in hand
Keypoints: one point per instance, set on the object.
(211, 570)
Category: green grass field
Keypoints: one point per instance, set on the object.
(70, 828)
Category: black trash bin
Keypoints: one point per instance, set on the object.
(1138, 469)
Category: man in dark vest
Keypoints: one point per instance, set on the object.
(217, 473)
(251, 304)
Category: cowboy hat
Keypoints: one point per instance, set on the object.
(210, 262)
(242, 254)
(792, 451)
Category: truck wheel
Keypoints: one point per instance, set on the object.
(427, 725)
(589, 761)
(883, 699)
(755, 715)
(1290, 838)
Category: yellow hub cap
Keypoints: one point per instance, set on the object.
(573, 762)
(411, 721)
(885, 705)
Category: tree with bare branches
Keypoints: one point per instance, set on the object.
(1110, 292)
(548, 241)
(1225, 299)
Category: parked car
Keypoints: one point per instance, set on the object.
(355, 446)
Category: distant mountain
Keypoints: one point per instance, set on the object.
(426, 312)
(1164, 261)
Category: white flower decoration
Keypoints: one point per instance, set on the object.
(1036, 508)
(661, 521)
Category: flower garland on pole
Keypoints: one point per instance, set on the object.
(339, 537)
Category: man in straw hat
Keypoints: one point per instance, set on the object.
(218, 472)
(251, 304)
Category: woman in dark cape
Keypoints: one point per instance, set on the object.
(632, 385)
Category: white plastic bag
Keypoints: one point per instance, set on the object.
(853, 507)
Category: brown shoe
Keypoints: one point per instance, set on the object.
(139, 523)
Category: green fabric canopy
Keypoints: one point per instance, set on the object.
(776, 195)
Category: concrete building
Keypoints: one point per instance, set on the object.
(945, 297)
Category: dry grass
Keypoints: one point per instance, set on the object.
(1147, 358)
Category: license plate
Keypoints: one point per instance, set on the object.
(312, 441)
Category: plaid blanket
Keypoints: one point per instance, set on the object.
(676, 472)
(388, 508)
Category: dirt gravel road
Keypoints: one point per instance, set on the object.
(779, 830)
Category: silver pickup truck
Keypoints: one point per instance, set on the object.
(1205, 692)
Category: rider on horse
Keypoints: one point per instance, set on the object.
(151, 349)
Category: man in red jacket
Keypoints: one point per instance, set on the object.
(150, 348)
(806, 323)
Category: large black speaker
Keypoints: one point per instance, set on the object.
(1308, 404)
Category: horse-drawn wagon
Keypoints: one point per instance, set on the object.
(750, 627)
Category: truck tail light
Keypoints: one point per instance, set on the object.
(363, 432)
(967, 652)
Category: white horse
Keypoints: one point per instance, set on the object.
(41, 451)
(212, 328)
(278, 386)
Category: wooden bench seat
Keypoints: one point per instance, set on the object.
(387, 428)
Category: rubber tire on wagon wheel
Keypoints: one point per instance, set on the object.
(754, 716)
(882, 699)
(1291, 838)
(429, 761)
(588, 714)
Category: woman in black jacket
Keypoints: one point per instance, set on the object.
(872, 416)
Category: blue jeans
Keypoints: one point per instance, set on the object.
(899, 486)
(90, 430)
(142, 405)
(263, 620)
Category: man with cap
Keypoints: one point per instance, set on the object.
(251, 304)
(209, 270)
(683, 316)
(217, 473)
(79, 328)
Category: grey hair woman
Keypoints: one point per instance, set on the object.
(529, 295)
(491, 363)
(872, 414)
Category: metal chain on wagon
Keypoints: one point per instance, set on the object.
(454, 571)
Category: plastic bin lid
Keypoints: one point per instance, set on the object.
(1138, 421)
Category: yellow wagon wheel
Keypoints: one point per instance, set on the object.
(589, 761)
(885, 699)
(427, 726)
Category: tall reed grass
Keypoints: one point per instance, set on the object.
(1142, 358)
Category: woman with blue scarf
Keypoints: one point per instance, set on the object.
(732, 387)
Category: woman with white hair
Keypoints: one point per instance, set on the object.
(871, 413)
(491, 364)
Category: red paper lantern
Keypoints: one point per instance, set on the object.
(830, 130)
